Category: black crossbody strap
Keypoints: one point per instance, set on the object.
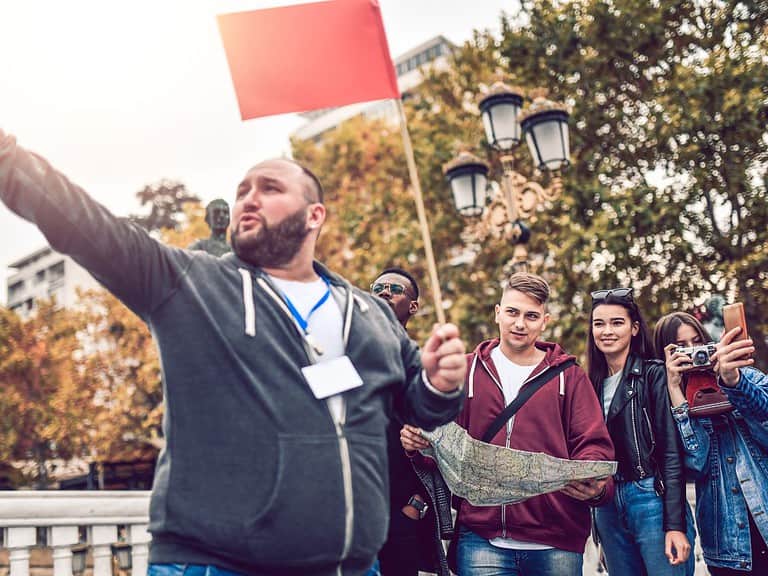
(528, 390)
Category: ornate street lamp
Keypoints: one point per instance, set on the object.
(545, 127)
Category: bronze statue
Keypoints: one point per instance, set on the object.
(217, 218)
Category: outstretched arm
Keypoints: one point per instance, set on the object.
(122, 256)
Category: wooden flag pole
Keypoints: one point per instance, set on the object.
(416, 187)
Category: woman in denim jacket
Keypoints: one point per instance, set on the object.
(647, 529)
(727, 454)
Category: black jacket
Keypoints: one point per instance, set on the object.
(645, 436)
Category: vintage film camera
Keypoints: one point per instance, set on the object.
(701, 355)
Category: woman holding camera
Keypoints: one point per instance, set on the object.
(646, 528)
(725, 443)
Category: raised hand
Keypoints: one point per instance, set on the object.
(731, 356)
(443, 358)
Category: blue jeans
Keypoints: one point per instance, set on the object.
(200, 570)
(630, 530)
(475, 556)
(188, 570)
(374, 571)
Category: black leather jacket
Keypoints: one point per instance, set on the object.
(645, 436)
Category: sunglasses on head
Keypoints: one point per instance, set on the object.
(624, 294)
(394, 288)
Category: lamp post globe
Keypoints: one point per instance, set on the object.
(545, 125)
(468, 176)
(500, 110)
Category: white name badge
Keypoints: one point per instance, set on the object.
(332, 377)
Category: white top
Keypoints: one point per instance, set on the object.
(325, 324)
(512, 377)
(610, 385)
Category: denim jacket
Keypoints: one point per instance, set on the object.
(727, 455)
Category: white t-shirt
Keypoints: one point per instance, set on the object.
(325, 324)
(610, 385)
(512, 377)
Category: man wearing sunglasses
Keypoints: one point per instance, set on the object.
(401, 292)
(411, 539)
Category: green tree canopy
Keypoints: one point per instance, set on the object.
(666, 191)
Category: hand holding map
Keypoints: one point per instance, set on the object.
(488, 475)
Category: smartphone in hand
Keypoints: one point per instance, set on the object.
(733, 315)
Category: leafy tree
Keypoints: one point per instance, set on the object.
(678, 92)
(122, 360)
(666, 192)
(194, 227)
(46, 393)
(167, 200)
(82, 382)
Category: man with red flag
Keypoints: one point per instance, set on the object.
(279, 377)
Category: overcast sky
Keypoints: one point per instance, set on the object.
(121, 94)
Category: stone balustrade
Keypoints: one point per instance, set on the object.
(61, 514)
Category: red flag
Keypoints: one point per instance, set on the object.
(308, 56)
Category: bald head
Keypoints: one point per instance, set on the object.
(313, 191)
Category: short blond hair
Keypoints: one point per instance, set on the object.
(531, 284)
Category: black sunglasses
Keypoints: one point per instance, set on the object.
(624, 294)
(394, 288)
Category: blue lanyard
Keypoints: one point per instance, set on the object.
(304, 323)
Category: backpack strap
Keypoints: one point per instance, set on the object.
(533, 386)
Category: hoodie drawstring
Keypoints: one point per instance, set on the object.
(472, 376)
(250, 310)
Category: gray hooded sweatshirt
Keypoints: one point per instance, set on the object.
(256, 476)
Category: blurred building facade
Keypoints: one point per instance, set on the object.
(42, 275)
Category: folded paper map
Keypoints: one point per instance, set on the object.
(488, 475)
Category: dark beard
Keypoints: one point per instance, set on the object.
(276, 245)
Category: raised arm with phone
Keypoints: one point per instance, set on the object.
(724, 452)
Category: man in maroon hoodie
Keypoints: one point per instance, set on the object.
(544, 535)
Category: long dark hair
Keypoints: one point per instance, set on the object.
(666, 329)
(640, 345)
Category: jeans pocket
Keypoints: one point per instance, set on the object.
(645, 485)
(166, 569)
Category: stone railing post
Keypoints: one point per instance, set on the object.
(139, 539)
(19, 541)
(101, 540)
(61, 539)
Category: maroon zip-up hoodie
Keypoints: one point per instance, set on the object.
(563, 419)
